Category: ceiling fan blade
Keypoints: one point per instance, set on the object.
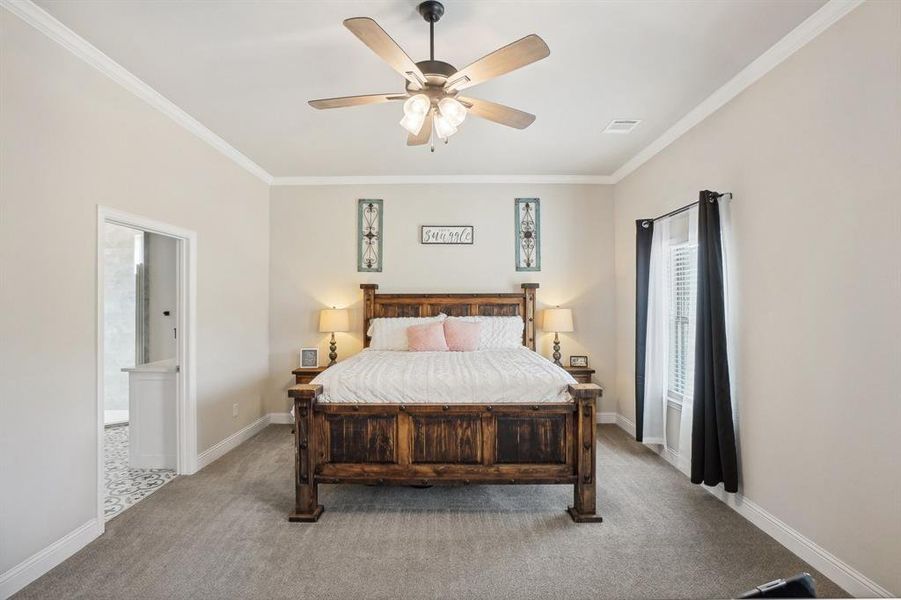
(498, 113)
(387, 49)
(425, 134)
(355, 100)
(509, 58)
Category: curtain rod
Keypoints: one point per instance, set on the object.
(683, 209)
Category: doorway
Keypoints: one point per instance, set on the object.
(145, 392)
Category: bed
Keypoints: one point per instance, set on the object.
(445, 418)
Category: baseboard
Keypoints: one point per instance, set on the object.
(219, 450)
(41, 562)
(284, 418)
(843, 574)
(625, 424)
(847, 577)
(607, 418)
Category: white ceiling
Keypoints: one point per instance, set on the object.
(246, 70)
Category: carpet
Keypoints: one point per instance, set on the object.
(223, 533)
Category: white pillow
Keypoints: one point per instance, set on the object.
(497, 332)
(390, 333)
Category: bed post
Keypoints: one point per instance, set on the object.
(368, 308)
(528, 292)
(584, 509)
(306, 494)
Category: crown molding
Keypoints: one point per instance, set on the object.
(444, 179)
(797, 38)
(44, 22)
(810, 28)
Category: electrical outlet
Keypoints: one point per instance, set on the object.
(235, 409)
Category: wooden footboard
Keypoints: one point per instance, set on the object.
(458, 444)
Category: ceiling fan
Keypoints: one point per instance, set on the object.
(433, 107)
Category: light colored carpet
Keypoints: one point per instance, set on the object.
(223, 533)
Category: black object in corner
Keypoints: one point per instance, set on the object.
(799, 586)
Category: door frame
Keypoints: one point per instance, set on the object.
(186, 346)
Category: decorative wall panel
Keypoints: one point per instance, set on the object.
(528, 234)
(369, 236)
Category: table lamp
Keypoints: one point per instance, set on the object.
(559, 320)
(332, 320)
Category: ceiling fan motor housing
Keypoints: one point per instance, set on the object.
(436, 72)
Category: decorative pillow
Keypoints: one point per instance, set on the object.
(497, 332)
(462, 336)
(390, 333)
(426, 338)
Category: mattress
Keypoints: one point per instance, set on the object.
(515, 375)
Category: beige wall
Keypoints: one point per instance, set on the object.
(313, 265)
(813, 154)
(71, 139)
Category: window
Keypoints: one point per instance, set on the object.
(682, 277)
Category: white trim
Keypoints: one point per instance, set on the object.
(219, 450)
(443, 179)
(607, 417)
(44, 22)
(42, 561)
(625, 424)
(186, 416)
(796, 39)
(843, 574)
(284, 418)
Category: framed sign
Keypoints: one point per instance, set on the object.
(309, 358)
(578, 361)
(446, 234)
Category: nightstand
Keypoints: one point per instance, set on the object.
(306, 374)
(581, 374)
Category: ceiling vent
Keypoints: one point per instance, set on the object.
(621, 126)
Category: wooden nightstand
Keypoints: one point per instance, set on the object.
(581, 374)
(306, 374)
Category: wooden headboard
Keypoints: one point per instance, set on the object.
(454, 305)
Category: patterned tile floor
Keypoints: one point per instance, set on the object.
(125, 486)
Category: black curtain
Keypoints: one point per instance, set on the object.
(713, 454)
(644, 233)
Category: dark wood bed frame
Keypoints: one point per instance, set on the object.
(455, 444)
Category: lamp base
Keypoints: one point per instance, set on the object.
(333, 351)
(557, 355)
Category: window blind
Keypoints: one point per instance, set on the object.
(683, 266)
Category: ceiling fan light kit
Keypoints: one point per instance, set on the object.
(432, 105)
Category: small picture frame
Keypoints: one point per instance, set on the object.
(309, 358)
(576, 360)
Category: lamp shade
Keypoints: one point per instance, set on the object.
(558, 320)
(333, 319)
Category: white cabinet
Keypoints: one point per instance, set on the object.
(151, 415)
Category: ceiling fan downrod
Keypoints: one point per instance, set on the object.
(431, 11)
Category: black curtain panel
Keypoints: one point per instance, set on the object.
(713, 454)
(644, 233)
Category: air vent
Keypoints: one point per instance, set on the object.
(621, 126)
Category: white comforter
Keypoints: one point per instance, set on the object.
(515, 375)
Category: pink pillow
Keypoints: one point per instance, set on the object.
(462, 336)
(426, 338)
